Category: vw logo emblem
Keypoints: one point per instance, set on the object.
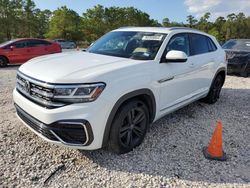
(27, 86)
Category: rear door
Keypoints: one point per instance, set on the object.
(39, 47)
(203, 58)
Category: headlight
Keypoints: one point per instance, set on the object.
(78, 93)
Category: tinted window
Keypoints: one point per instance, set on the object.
(37, 43)
(199, 44)
(20, 44)
(212, 47)
(178, 42)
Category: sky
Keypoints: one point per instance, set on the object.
(175, 10)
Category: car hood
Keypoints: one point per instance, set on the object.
(73, 67)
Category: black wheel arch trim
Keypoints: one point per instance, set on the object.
(7, 59)
(117, 105)
(222, 69)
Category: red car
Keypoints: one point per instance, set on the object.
(19, 51)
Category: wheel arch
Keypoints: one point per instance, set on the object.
(221, 71)
(7, 59)
(146, 95)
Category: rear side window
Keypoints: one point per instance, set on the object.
(198, 44)
(37, 43)
(212, 47)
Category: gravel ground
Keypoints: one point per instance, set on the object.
(171, 154)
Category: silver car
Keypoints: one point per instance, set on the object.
(66, 44)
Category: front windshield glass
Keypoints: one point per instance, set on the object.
(237, 45)
(127, 44)
(6, 43)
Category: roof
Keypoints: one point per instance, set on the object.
(157, 29)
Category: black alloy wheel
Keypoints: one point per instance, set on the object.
(3, 62)
(214, 92)
(129, 127)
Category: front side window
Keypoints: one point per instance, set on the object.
(129, 44)
(212, 47)
(198, 44)
(20, 44)
(178, 42)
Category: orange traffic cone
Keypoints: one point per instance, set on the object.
(214, 151)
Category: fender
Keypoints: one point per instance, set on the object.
(222, 69)
(124, 98)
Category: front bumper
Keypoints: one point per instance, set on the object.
(67, 132)
(238, 67)
(75, 125)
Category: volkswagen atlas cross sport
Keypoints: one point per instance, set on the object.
(110, 94)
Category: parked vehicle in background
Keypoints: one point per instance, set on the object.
(19, 51)
(66, 44)
(110, 94)
(238, 56)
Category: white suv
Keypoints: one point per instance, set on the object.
(126, 80)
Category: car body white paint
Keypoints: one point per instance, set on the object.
(174, 85)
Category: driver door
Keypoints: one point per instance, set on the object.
(175, 78)
(20, 53)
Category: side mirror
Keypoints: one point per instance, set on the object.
(175, 56)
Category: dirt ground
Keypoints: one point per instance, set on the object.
(170, 156)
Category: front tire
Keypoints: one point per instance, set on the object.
(214, 92)
(129, 127)
(3, 62)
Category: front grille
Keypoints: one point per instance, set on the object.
(37, 91)
(35, 124)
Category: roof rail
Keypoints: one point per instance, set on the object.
(187, 28)
(125, 27)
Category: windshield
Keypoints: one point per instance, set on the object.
(237, 45)
(127, 44)
(6, 43)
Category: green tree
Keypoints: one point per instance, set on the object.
(203, 23)
(99, 20)
(28, 18)
(166, 22)
(65, 23)
(10, 11)
(191, 21)
(41, 23)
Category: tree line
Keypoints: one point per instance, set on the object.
(21, 18)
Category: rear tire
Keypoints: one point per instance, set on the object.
(129, 127)
(214, 92)
(3, 61)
